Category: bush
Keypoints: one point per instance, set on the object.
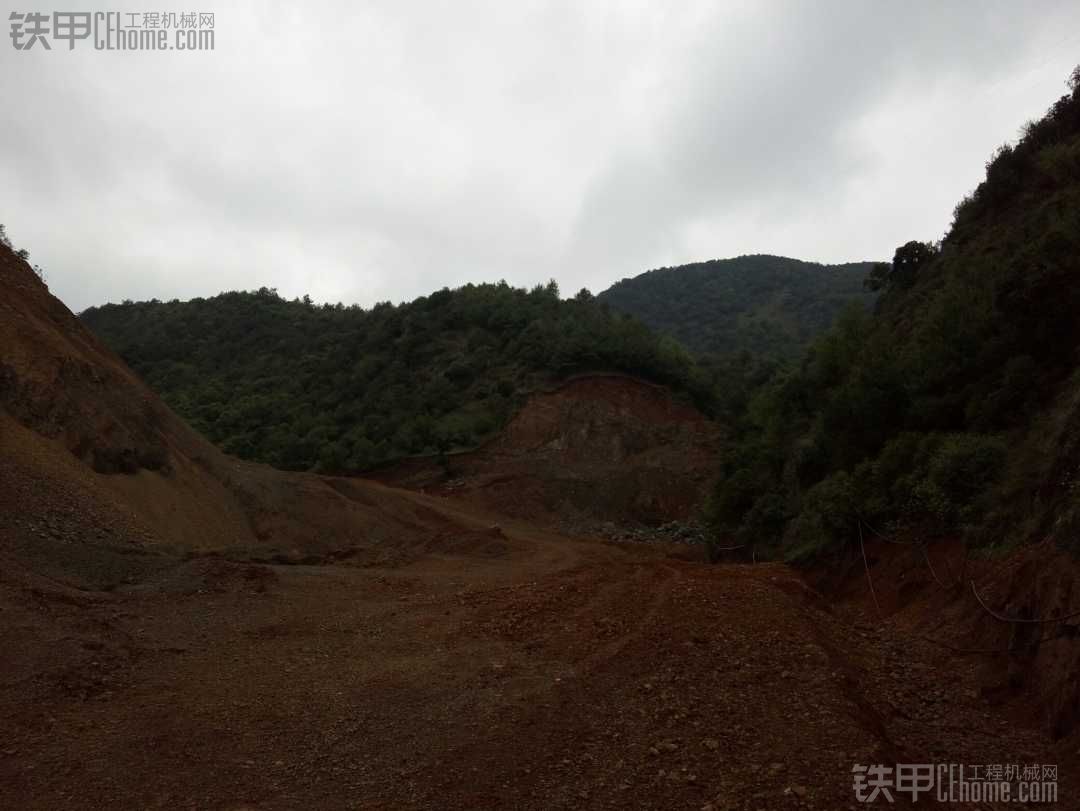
(826, 517)
(961, 469)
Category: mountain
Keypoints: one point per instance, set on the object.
(954, 408)
(342, 388)
(769, 306)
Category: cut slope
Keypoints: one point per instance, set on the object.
(599, 448)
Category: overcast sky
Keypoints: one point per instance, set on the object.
(366, 151)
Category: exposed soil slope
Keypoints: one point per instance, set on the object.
(599, 448)
(167, 490)
(944, 595)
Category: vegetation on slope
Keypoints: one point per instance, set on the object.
(768, 306)
(339, 388)
(940, 411)
(21, 253)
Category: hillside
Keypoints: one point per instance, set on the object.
(103, 484)
(769, 306)
(953, 409)
(340, 388)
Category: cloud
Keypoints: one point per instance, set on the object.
(370, 151)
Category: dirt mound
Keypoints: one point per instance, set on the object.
(598, 449)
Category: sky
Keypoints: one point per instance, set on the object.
(372, 151)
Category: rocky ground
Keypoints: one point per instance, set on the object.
(551, 673)
(691, 532)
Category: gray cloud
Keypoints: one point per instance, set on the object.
(379, 150)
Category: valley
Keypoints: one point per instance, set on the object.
(209, 633)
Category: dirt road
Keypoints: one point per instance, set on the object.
(504, 668)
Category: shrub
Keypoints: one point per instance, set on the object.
(826, 518)
(960, 470)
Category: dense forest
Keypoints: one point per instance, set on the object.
(952, 409)
(331, 387)
(768, 306)
(299, 385)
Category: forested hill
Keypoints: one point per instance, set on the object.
(298, 385)
(955, 408)
(770, 306)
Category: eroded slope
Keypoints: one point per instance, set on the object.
(597, 449)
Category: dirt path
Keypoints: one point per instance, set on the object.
(515, 669)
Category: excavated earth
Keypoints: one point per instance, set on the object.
(181, 630)
(597, 450)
